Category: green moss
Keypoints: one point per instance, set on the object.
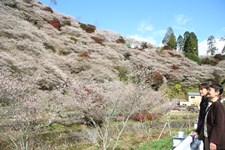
(49, 46)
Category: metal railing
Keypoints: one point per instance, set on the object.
(186, 144)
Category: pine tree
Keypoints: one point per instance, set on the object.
(190, 43)
(191, 46)
(223, 39)
(180, 43)
(169, 40)
(167, 36)
(211, 45)
(172, 42)
(223, 50)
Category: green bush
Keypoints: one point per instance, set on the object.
(193, 57)
(209, 61)
(123, 74)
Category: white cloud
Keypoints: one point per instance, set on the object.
(202, 47)
(145, 26)
(181, 19)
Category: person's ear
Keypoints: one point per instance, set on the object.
(217, 93)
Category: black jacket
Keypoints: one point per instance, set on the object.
(216, 124)
(203, 105)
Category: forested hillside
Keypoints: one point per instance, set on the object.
(55, 69)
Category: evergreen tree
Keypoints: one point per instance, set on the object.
(191, 46)
(186, 35)
(169, 39)
(223, 50)
(172, 42)
(190, 43)
(211, 45)
(180, 43)
(167, 36)
(223, 39)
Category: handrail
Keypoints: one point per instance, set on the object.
(185, 144)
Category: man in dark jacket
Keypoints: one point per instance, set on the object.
(214, 124)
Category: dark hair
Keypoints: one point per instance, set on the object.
(206, 84)
(217, 87)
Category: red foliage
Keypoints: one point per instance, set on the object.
(170, 77)
(90, 28)
(84, 54)
(174, 67)
(144, 116)
(87, 27)
(55, 23)
(98, 40)
(157, 77)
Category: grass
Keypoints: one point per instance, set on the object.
(137, 140)
(132, 138)
(162, 144)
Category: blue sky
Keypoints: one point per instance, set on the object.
(149, 20)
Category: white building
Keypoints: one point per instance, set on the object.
(193, 98)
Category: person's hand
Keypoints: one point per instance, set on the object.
(212, 146)
(193, 134)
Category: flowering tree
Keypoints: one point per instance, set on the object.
(109, 105)
(19, 106)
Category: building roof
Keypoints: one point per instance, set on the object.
(193, 94)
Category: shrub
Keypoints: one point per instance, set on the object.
(174, 67)
(49, 46)
(123, 74)
(120, 40)
(144, 115)
(48, 9)
(193, 57)
(209, 61)
(87, 27)
(170, 77)
(144, 45)
(127, 55)
(55, 23)
(128, 45)
(219, 57)
(98, 40)
(155, 79)
(85, 54)
(66, 21)
(174, 54)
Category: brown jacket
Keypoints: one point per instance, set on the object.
(216, 124)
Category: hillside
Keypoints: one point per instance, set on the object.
(49, 52)
(54, 63)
